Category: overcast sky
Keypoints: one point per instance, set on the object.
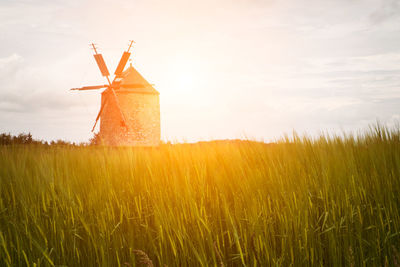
(224, 69)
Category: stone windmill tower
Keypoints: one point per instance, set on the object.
(130, 108)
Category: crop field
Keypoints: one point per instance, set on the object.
(326, 201)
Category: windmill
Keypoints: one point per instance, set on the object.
(137, 120)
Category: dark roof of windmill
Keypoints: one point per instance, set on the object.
(135, 82)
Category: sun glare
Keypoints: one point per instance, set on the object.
(186, 79)
(184, 76)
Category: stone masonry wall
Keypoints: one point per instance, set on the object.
(142, 114)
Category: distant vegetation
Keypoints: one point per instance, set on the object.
(27, 139)
(327, 201)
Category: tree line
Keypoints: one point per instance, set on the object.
(27, 139)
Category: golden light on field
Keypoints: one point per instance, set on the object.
(327, 201)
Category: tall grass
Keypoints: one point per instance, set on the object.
(329, 201)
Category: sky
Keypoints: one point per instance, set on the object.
(225, 69)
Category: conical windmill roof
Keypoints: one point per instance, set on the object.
(135, 83)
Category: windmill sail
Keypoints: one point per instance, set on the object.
(102, 65)
(99, 114)
(115, 84)
(123, 121)
(122, 63)
(94, 87)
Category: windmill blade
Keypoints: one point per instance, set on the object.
(102, 65)
(94, 87)
(102, 108)
(104, 71)
(122, 63)
(99, 114)
(119, 108)
(100, 62)
(132, 85)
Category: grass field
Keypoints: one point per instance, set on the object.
(329, 201)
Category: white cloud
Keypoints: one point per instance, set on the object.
(388, 9)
